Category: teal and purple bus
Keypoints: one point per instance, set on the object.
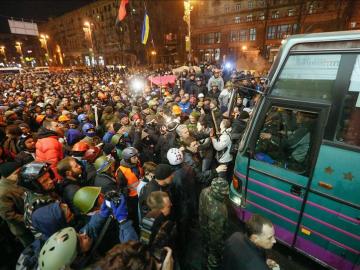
(299, 158)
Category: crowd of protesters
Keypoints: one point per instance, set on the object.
(99, 172)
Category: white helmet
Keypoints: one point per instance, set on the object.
(175, 156)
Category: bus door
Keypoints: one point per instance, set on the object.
(331, 220)
(282, 151)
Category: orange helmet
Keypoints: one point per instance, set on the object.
(80, 147)
(63, 118)
(40, 118)
(101, 95)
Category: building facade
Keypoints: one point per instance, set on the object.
(91, 35)
(248, 33)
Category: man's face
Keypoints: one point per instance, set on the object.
(76, 169)
(46, 182)
(134, 160)
(193, 148)
(185, 133)
(85, 242)
(124, 121)
(266, 239)
(30, 144)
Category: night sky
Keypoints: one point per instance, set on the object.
(38, 10)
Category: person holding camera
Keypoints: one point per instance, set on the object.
(158, 230)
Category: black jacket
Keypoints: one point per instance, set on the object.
(106, 182)
(241, 254)
(145, 193)
(67, 189)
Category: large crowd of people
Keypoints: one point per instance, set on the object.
(106, 170)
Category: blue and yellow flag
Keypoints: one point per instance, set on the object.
(145, 29)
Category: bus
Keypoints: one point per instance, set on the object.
(298, 162)
(12, 70)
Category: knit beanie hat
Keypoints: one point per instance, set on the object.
(163, 171)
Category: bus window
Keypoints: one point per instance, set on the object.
(348, 130)
(308, 76)
(285, 139)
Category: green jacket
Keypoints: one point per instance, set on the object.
(12, 205)
(213, 218)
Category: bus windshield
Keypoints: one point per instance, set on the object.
(308, 76)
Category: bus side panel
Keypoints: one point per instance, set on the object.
(325, 227)
(332, 226)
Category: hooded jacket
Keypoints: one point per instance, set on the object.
(48, 148)
(48, 219)
(223, 146)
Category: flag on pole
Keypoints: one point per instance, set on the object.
(145, 29)
(122, 9)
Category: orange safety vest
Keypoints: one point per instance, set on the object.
(132, 180)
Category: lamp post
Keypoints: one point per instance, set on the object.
(19, 49)
(2, 51)
(43, 39)
(153, 57)
(187, 19)
(88, 28)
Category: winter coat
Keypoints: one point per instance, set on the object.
(185, 107)
(224, 99)
(107, 137)
(24, 157)
(165, 142)
(12, 209)
(106, 182)
(219, 81)
(182, 188)
(189, 84)
(49, 219)
(223, 146)
(48, 148)
(145, 193)
(73, 136)
(67, 189)
(213, 221)
(241, 254)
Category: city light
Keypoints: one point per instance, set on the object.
(138, 85)
(153, 52)
(244, 47)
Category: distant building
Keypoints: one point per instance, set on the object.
(90, 34)
(249, 32)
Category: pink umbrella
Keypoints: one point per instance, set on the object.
(163, 80)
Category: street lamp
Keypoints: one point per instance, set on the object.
(88, 28)
(187, 18)
(43, 39)
(2, 51)
(19, 49)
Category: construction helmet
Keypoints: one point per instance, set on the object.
(80, 146)
(103, 163)
(175, 156)
(129, 152)
(59, 251)
(85, 198)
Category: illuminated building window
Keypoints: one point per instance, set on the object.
(252, 34)
(291, 12)
(237, 19)
(275, 14)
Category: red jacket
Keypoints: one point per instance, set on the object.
(48, 148)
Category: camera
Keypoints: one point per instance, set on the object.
(112, 196)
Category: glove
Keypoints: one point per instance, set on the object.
(120, 212)
(104, 210)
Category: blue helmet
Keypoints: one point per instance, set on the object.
(85, 129)
(82, 117)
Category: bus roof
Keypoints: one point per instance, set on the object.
(294, 40)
